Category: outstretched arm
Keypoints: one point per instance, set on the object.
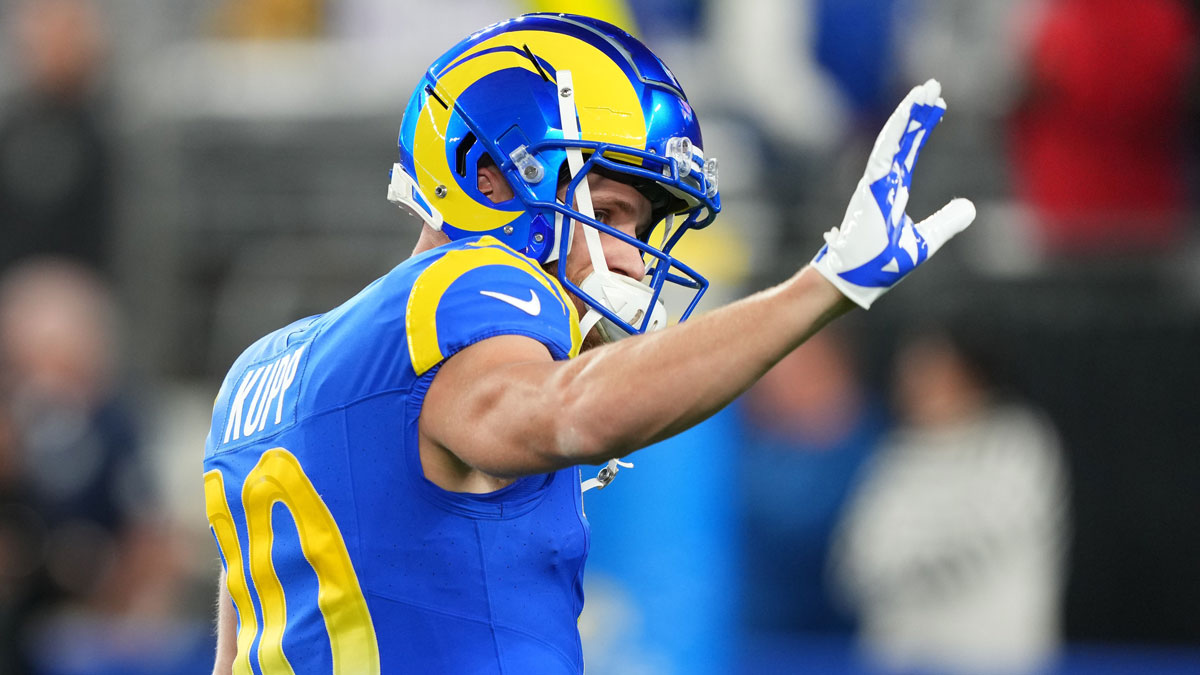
(542, 415)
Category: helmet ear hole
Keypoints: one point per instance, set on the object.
(491, 183)
(460, 154)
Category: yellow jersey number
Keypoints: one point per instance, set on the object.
(279, 479)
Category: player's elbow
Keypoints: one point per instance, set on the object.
(584, 432)
(575, 442)
(534, 429)
(539, 425)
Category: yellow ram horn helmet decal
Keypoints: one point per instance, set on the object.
(608, 108)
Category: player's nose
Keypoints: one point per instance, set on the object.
(624, 259)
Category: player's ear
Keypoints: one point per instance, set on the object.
(493, 184)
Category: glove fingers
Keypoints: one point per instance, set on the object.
(953, 218)
(931, 92)
(887, 144)
(888, 140)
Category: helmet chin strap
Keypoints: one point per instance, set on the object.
(601, 280)
(623, 296)
(583, 194)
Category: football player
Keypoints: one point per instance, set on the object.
(394, 485)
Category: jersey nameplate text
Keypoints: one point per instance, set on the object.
(264, 397)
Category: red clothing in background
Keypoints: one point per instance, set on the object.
(1098, 148)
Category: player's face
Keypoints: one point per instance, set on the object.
(623, 208)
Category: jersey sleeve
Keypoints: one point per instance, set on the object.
(482, 290)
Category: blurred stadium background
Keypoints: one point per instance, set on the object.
(995, 471)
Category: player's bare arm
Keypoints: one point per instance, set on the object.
(613, 400)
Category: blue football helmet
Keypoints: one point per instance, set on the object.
(549, 98)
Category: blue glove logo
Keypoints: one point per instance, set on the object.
(906, 248)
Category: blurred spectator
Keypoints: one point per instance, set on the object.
(55, 164)
(808, 426)
(854, 43)
(972, 48)
(952, 551)
(72, 492)
(811, 80)
(1099, 142)
(766, 51)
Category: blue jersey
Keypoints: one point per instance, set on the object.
(340, 555)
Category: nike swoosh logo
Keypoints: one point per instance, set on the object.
(532, 306)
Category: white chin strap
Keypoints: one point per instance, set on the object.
(623, 296)
(583, 195)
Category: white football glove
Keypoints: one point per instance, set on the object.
(877, 244)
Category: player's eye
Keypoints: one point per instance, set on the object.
(602, 216)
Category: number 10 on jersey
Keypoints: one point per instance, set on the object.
(279, 479)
